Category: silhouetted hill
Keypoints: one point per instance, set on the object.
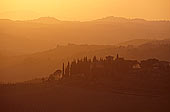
(5, 21)
(40, 64)
(135, 42)
(23, 37)
(112, 19)
(157, 42)
(64, 98)
(45, 20)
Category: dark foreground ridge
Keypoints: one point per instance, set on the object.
(112, 68)
(97, 85)
(145, 78)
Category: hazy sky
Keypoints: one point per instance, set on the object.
(84, 9)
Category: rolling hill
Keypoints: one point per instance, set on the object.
(26, 67)
(31, 36)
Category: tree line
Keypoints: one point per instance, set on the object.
(110, 67)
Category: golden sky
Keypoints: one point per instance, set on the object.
(84, 9)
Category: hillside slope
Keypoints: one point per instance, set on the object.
(24, 37)
(40, 64)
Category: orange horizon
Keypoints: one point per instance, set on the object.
(128, 18)
(78, 10)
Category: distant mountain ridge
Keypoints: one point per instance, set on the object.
(109, 19)
(53, 20)
(113, 19)
(26, 37)
(45, 20)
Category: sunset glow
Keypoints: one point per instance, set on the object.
(84, 55)
(84, 9)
